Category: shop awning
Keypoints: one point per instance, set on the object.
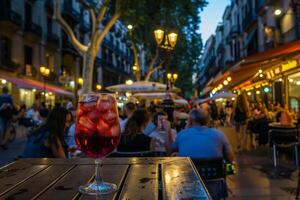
(243, 71)
(34, 84)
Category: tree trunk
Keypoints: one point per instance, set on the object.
(87, 71)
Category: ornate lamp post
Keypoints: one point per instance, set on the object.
(45, 73)
(165, 40)
(172, 78)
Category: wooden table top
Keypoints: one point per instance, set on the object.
(167, 178)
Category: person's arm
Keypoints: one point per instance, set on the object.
(57, 149)
(227, 149)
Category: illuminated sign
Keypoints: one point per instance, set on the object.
(289, 65)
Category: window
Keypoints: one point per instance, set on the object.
(5, 50)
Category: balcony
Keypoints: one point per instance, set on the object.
(9, 65)
(9, 19)
(52, 41)
(248, 21)
(70, 14)
(33, 31)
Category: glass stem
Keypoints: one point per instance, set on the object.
(98, 163)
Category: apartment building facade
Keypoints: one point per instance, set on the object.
(30, 38)
(253, 35)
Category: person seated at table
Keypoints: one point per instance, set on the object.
(128, 110)
(133, 139)
(48, 139)
(160, 134)
(200, 141)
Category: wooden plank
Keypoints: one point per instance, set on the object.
(107, 161)
(16, 173)
(141, 183)
(67, 186)
(113, 174)
(180, 181)
(37, 183)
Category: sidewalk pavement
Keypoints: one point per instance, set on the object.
(256, 178)
(13, 149)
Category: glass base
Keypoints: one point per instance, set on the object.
(102, 188)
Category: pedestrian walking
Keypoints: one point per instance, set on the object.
(240, 117)
(6, 113)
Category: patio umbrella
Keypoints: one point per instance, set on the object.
(223, 95)
(141, 86)
(155, 95)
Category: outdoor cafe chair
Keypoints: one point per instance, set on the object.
(284, 138)
(213, 173)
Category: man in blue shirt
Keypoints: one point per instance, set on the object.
(199, 141)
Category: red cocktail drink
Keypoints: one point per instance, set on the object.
(97, 133)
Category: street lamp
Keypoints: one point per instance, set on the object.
(165, 41)
(80, 81)
(98, 87)
(277, 12)
(129, 82)
(45, 73)
(171, 80)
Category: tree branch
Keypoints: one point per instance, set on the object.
(152, 62)
(57, 16)
(136, 60)
(102, 10)
(103, 33)
(94, 23)
(150, 72)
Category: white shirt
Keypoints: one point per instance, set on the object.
(160, 139)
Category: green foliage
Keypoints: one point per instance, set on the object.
(181, 16)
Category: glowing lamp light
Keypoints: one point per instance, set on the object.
(172, 37)
(298, 83)
(42, 69)
(220, 86)
(277, 12)
(280, 79)
(80, 81)
(233, 98)
(98, 87)
(33, 90)
(129, 82)
(128, 94)
(257, 92)
(134, 68)
(229, 78)
(169, 76)
(159, 36)
(291, 80)
(130, 27)
(260, 71)
(261, 75)
(175, 76)
(266, 90)
(3, 81)
(249, 93)
(225, 82)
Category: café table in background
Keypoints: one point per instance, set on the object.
(159, 178)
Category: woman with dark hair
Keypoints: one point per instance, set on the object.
(48, 139)
(240, 117)
(134, 139)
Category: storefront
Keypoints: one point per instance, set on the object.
(29, 91)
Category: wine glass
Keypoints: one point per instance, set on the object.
(97, 134)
